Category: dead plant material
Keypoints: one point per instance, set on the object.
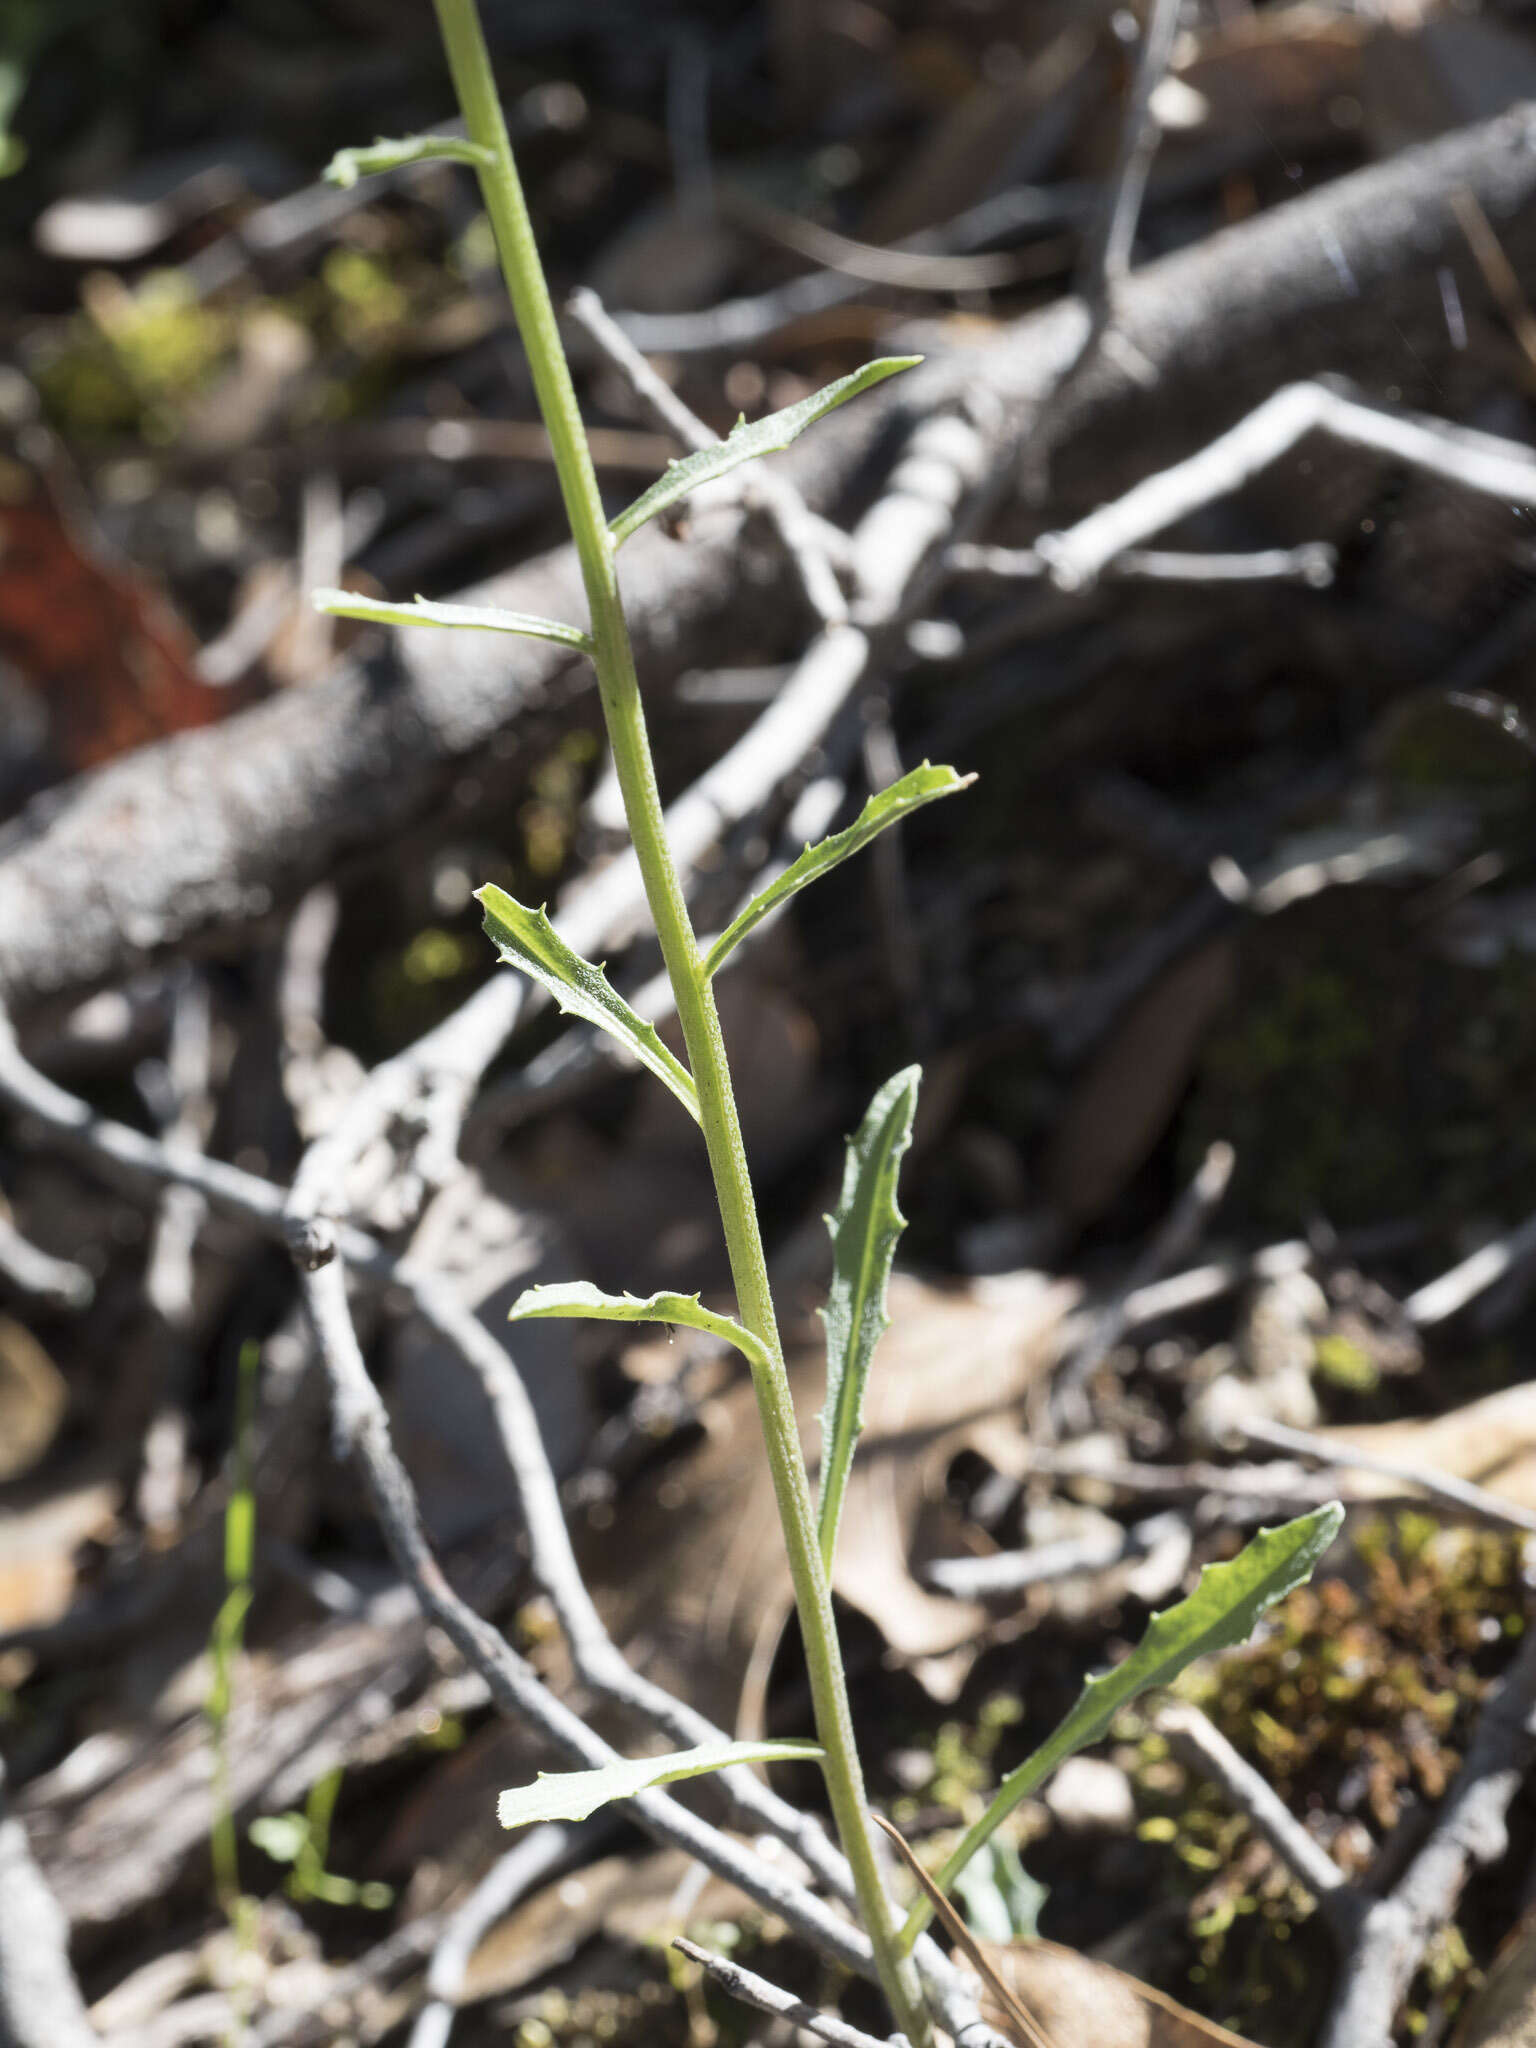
(686, 1574)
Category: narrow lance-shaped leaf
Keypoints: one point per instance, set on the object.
(1220, 1613)
(864, 1227)
(745, 443)
(348, 165)
(887, 807)
(572, 1795)
(347, 604)
(581, 1298)
(525, 938)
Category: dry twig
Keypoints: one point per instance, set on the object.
(57, 1283)
(1107, 256)
(1485, 463)
(40, 2002)
(1469, 1833)
(1443, 1487)
(756, 1991)
(1203, 1746)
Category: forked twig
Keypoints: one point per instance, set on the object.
(1485, 463)
(756, 1991)
(1107, 257)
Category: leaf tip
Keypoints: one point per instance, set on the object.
(1330, 1516)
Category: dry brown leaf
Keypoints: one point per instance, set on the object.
(1281, 71)
(1076, 2000)
(109, 662)
(1491, 1442)
(955, 163)
(33, 1398)
(1044, 1996)
(38, 1543)
(691, 1575)
(628, 1899)
(1503, 2013)
(1123, 1103)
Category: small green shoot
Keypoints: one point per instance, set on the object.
(1002, 1901)
(1222, 1611)
(744, 443)
(303, 1841)
(580, 1298)
(921, 787)
(525, 938)
(572, 1795)
(227, 1637)
(865, 1226)
(347, 604)
(348, 165)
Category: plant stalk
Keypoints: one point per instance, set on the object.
(624, 715)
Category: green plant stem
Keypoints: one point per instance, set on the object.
(624, 715)
(228, 1637)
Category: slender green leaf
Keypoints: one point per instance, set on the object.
(745, 443)
(581, 1298)
(921, 787)
(572, 1795)
(864, 1227)
(1221, 1612)
(525, 938)
(346, 604)
(348, 165)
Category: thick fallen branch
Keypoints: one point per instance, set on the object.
(229, 823)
